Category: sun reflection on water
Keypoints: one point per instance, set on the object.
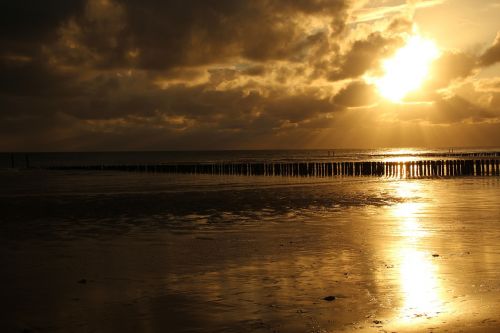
(419, 285)
(410, 226)
(400, 159)
(407, 190)
(418, 274)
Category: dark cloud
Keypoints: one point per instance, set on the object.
(400, 24)
(33, 78)
(457, 109)
(451, 66)
(26, 24)
(113, 107)
(356, 94)
(492, 54)
(255, 70)
(364, 55)
(36, 131)
(299, 107)
(446, 111)
(155, 34)
(488, 85)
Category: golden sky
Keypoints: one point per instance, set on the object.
(262, 74)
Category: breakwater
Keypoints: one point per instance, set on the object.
(407, 169)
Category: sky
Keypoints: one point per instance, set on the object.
(231, 74)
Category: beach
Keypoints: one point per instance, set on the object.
(127, 252)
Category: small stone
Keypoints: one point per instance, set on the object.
(377, 322)
(329, 298)
(82, 281)
(435, 255)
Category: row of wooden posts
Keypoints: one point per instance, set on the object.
(409, 169)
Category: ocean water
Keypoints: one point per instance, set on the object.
(92, 251)
(21, 160)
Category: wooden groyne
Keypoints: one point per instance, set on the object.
(408, 169)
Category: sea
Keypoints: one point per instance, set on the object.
(47, 159)
(115, 251)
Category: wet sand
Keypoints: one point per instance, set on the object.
(156, 253)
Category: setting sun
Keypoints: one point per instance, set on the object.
(407, 69)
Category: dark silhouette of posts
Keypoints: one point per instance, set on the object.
(407, 169)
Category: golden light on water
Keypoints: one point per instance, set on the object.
(407, 69)
(418, 271)
(419, 285)
(407, 190)
(410, 226)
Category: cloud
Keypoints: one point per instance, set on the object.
(25, 25)
(385, 9)
(442, 111)
(155, 34)
(123, 74)
(488, 85)
(492, 54)
(114, 106)
(364, 55)
(33, 78)
(450, 66)
(356, 94)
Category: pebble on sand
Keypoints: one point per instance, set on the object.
(435, 255)
(329, 298)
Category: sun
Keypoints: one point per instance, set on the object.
(407, 69)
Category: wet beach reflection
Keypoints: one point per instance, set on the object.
(397, 255)
(418, 272)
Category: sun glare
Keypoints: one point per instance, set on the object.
(407, 69)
